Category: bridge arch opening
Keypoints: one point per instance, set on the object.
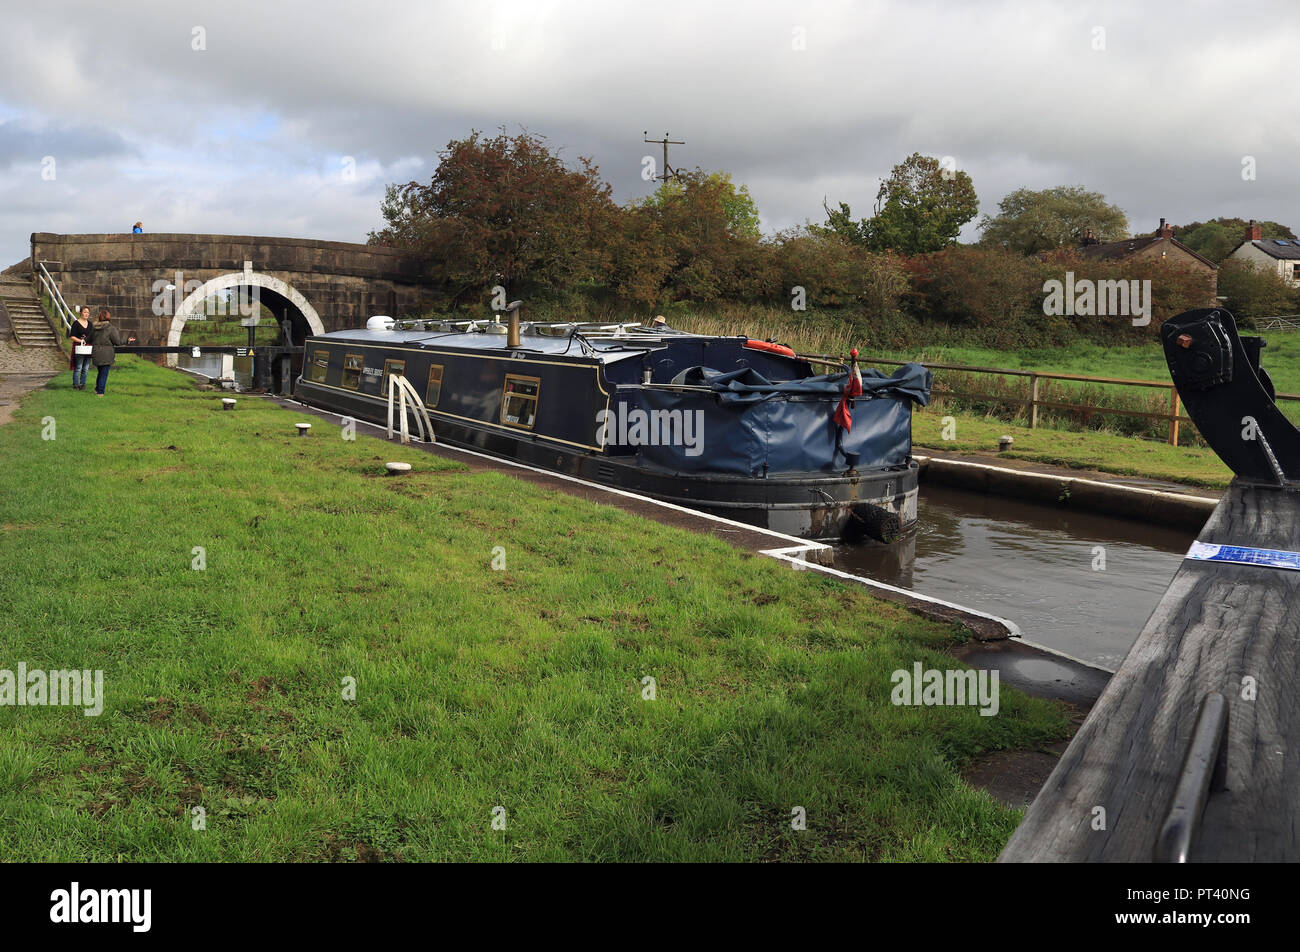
(282, 299)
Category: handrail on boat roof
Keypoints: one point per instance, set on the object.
(633, 331)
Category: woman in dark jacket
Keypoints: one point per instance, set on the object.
(105, 339)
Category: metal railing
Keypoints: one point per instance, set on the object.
(51, 289)
(399, 388)
(1173, 416)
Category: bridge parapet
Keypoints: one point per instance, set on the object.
(345, 283)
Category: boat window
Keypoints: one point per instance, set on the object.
(391, 367)
(434, 390)
(320, 366)
(519, 400)
(352, 364)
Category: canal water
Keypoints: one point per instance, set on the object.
(210, 366)
(1038, 566)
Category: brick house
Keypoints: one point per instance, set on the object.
(1161, 246)
(1280, 255)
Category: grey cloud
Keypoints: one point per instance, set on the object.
(25, 141)
(1158, 120)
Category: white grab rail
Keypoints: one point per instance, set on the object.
(66, 314)
(400, 387)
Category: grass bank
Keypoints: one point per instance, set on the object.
(1105, 452)
(474, 688)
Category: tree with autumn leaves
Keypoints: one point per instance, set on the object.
(508, 210)
(503, 210)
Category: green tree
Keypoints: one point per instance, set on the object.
(920, 208)
(1211, 240)
(840, 224)
(503, 210)
(1030, 222)
(739, 213)
(707, 228)
(1253, 293)
(1217, 238)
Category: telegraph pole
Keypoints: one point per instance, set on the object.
(665, 142)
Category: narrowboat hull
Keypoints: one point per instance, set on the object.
(468, 407)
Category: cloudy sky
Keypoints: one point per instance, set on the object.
(288, 119)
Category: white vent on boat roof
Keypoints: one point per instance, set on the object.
(380, 322)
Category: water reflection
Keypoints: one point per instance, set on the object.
(1033, 564)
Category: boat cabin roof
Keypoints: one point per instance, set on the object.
(605, 350)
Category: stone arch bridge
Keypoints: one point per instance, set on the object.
(318, 286)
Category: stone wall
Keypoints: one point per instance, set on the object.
(346, 283)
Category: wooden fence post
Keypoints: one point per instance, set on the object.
(1173, 416)
(1033, 401)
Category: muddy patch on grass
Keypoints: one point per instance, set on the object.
(338, 851)
(1014, 777)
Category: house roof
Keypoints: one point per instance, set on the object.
(1283, 248)
(1114, 250)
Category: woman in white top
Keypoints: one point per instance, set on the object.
(80, 333)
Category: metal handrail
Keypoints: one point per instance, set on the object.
(1205, 769)
(400, 387)
(66, 314)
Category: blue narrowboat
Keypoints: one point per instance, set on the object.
(741, 428)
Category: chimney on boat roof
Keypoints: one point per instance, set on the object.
(512, 340)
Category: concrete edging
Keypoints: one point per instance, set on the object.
(1112, 499)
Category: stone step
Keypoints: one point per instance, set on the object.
(26, 317)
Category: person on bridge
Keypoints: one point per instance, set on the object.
(80, 333)
(106, 338)
(137, 228)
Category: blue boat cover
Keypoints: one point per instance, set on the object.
(751, 426)
(749, 386)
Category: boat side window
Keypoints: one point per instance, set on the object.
(519, 400)
(352, 364)
(434, 390)
(320, 365)
(391, 367)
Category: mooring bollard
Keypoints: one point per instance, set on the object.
(227, 403)
(396, 469)
(1004, 443)
(303, 428)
